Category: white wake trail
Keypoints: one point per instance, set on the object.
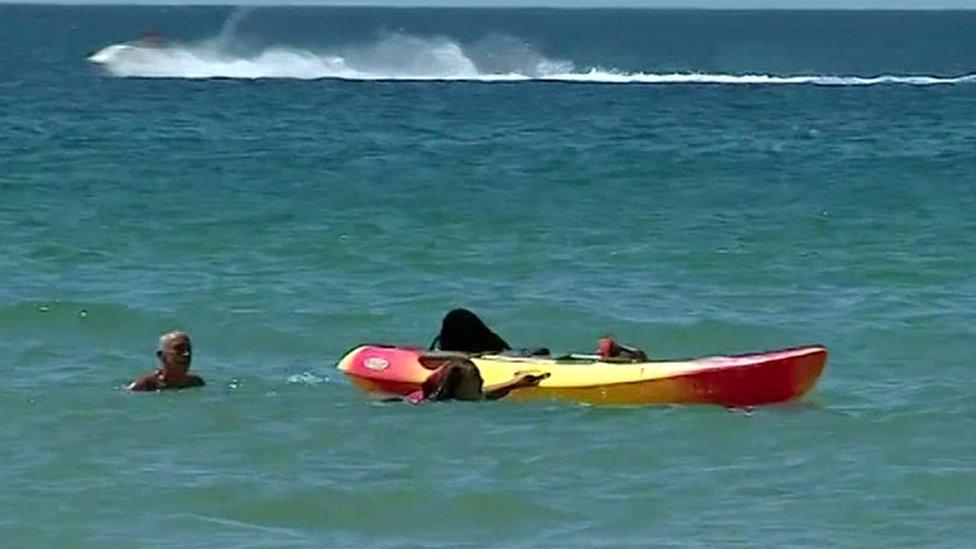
(410, 58)
(614, 77)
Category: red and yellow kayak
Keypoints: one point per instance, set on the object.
(733, 381)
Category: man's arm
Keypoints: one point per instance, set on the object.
(501, 390)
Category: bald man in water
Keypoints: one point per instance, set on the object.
(174, 353)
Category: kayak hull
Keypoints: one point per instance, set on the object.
(735, 381)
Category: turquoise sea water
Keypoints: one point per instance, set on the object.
(283, 220)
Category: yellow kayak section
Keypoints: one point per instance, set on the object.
(741, 380)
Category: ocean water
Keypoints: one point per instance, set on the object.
(286, 183)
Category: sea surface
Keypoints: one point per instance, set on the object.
(286, 183)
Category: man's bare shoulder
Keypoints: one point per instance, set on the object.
(148, 382)
(194, 381)
(152, 382)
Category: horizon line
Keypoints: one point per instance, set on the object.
(476, 6)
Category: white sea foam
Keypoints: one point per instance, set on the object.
(405, 57)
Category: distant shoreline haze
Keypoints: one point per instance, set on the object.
(808, 5)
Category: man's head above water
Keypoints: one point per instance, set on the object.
(175, 352)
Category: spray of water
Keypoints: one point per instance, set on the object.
(398, 56)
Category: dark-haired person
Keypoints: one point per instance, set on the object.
(462, 331)
(175, 352)
(460, 379)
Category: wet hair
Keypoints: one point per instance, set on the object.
(459, 380)
(463, 331)
(170, 336)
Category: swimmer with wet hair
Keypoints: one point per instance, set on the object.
(459, 379)
(174, 353)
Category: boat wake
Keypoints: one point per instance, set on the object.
(394, 56)
(403, 57)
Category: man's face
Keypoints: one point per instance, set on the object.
(176, 351)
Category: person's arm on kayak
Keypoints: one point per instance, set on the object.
(520, 381)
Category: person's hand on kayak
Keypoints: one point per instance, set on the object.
(526, 379)
(520, 381)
